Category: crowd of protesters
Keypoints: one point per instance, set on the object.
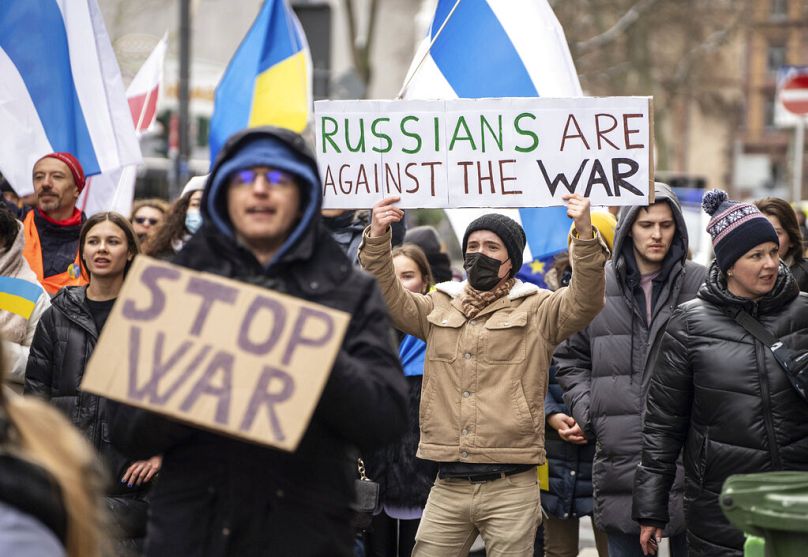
(628, 391)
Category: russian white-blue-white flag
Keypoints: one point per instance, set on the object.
(268, 80)
(60, 90)
(499, 48)
(115, 190)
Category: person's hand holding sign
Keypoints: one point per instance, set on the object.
(578, 211)
(384, 214)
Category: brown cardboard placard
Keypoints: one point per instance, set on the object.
(216, 353)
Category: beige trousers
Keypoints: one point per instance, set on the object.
(506, 512)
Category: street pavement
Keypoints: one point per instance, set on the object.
(586, 542)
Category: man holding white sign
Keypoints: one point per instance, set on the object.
(489, 344)
(219, 495)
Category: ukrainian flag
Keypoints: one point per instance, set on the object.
(268, 81)
(18, 296)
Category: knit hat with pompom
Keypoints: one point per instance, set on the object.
(735, 227)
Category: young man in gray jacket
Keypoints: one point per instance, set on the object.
(605, 369)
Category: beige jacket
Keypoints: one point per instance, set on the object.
(485, 378)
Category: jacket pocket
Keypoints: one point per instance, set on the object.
(444, 334)
(425, 406)
(527, 424)
(504, 339)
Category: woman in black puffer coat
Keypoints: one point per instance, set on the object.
(718, 393)
(64, 341)
(568, 494)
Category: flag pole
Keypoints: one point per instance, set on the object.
(428, 49)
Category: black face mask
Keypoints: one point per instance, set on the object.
(483, 271)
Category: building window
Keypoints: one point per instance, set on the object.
(778, 8)
(775, 59)
(768, 111)
(202, 131)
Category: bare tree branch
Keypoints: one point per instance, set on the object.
(369, 35)
(616, 30)
(713, 42)
(360, 50)
(351, 15)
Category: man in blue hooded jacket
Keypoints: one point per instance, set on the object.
(220, 496)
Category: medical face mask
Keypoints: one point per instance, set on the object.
(483, 271)
(193, 220)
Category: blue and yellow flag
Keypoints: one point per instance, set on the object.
(268, 81)
(18, 296)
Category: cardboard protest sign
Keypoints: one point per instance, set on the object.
(216, 353)
(515, 152)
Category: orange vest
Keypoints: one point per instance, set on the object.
(32, 252)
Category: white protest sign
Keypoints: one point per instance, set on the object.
(514, 152)
(216, 353)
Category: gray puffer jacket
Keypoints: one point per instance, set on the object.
(604, 370)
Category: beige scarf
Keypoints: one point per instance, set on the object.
(474, 301)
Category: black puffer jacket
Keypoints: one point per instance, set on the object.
(719, 394)
(569, 465)
(64, 340)
(800, 271)
(32, 490)
(218, 496)
(604, 370)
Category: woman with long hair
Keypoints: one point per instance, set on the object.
(405, 479)
(785, 223)
(51, 483)
(718, 395)
(65, 339)
(182, 221)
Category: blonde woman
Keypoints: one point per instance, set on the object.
(51, 484)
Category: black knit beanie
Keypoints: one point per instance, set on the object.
(735, 227)
(509, 231)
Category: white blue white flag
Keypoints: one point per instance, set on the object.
(60, 90)
(499, 48)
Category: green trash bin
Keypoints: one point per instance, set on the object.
(772, 506)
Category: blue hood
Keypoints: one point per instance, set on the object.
(267, 146)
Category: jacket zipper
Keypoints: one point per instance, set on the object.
(98, 437)
(774, 450)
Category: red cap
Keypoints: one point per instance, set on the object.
(73, 164)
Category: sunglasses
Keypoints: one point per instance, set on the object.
(275, 178)
(143, 220)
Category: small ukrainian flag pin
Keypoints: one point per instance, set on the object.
(74, 271)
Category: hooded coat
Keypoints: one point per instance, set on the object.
(220, 496)
(719, 395)
(605, 370)
(18, 332)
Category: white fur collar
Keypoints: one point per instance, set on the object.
(520, 289)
